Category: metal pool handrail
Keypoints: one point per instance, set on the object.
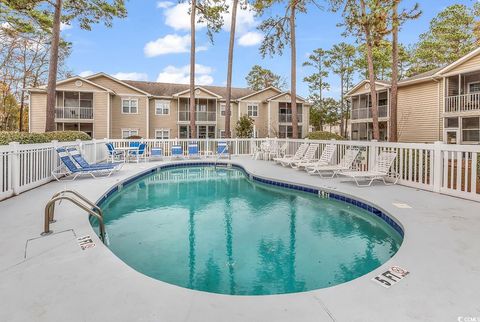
(50, 210)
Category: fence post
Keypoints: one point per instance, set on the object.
(95, 160)
(15, 168)
(437, 166)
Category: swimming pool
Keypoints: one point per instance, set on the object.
(216, 230)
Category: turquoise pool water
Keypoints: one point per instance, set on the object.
(215, 230)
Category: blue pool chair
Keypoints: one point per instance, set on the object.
(156, 153)
(193, 151)
(69, 168)
(177, 151)
(139, 153)
(112, 153)
(82, 163)
(222, 150)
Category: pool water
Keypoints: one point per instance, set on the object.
(215, 230)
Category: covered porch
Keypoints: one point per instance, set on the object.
(462, 92)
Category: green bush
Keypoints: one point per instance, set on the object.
(29, 138)
(322, 135)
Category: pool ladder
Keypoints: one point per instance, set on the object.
(78, 200)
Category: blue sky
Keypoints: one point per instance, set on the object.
(152, 43)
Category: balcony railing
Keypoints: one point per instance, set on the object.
(463, 103)
(366, 113)
(74, 113)
(199, 116)
(287, 118)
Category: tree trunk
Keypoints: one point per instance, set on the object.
(229, 69)
(342, 103)
(371, 75)
(293, 90)
(193, 129)
(394, 89)
(53, 67)
(22, 103)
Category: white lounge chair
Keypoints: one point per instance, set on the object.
(345, 163)
(380, 170)
(307, 158)
(325, 159)
(298, 155)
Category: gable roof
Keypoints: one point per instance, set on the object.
(66, 80)
(286, 93)
(118, 81)
(459, 61)
(260, 91)
(365, 81)
(170, 89)
(200, 88)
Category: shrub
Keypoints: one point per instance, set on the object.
(134, 137)
(322, 135)
(29, 138)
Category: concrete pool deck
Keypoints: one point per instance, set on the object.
(51, 279)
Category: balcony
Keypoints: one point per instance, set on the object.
(199, 116)
(462, 103)
(366, 113)
(287, 118)
(74, 113)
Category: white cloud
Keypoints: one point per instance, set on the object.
(169, 44)
(178, 17)
(86, 73)
(181, 75)
(65, 26)
(251, 38)
(164, 4)
(131, 76)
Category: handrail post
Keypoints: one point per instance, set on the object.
(15, 168)
(437, 166)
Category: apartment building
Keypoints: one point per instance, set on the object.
(106, 107)
(439, 105)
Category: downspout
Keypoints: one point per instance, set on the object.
(147, 109)
(269, 119)
(108, 115)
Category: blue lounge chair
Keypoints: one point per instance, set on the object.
(156, 153)
(139, 153)
(193, 151)
(80, 161)
(68, 167)
(177, 151)
(112, 153)
(134, 144)
(222, 150)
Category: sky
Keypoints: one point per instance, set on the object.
(153, 44)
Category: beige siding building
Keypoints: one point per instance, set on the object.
(106, 107)
(439, 105)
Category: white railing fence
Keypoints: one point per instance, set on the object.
(438, 167)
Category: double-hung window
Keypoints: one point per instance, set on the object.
(162, 107)
(126, 133)
(252, 110)
(129, 106)
(222, 109)
(162, 134)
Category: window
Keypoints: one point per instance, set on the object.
(184, 131)
(221, 134)
(162, 134)
(252, 110)
(129, 132)
(129, 106)
(286, 131)
(474, 87)
(471, 129)
(222, 109)
(451, 122)
(285, 112)
(162, 107)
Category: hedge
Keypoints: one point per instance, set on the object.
(322, 135)
(30, 138)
